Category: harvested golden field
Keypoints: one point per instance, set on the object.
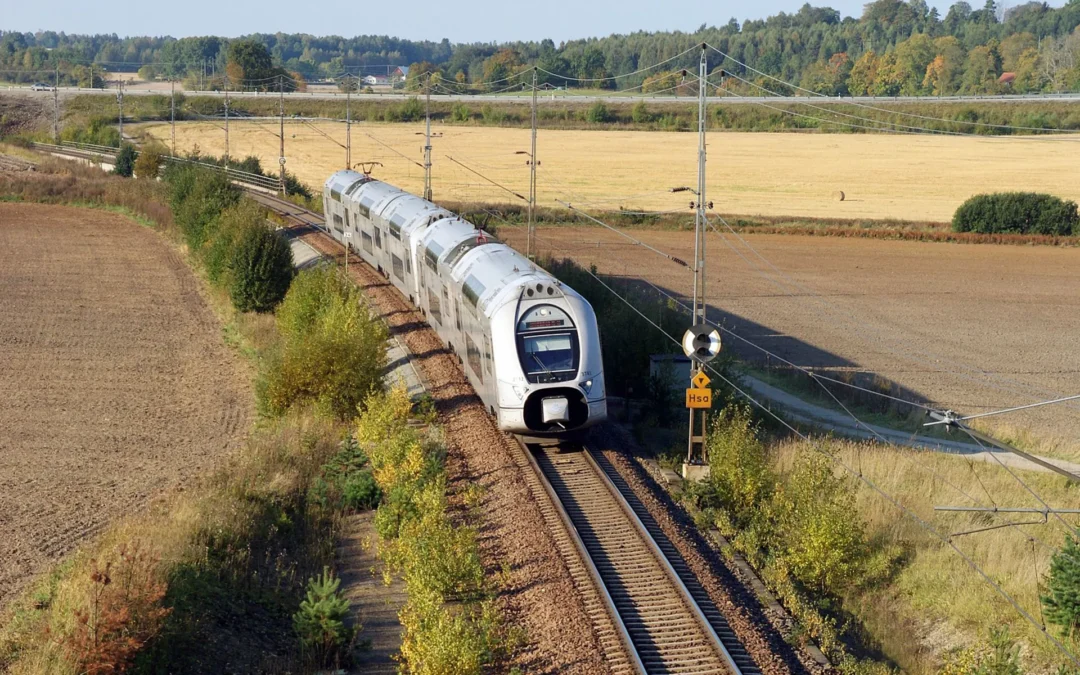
(115, 383)
(775, 174)
(971, 327)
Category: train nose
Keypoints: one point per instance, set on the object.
(555, 409)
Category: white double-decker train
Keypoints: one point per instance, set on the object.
(528, 343)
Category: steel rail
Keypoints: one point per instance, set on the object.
(664, 618)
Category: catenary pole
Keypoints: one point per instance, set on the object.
(56, 106)
(281, 117)
(120, 103)
(226, 79)
(532, 174)
(348, 124)
(699, 306)
(172, 114)
(427, 141)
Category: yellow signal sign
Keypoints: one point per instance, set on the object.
(698, 398)
(701, 380)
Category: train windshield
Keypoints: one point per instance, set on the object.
(547, 354)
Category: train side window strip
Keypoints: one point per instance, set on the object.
(472, 289)
(431, 255)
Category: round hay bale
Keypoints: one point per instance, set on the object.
(838, 195)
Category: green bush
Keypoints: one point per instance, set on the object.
(817, 534)
(1061, 604)
(311, 292)
(217, 253)
(332, 357)
(740, 478)
(461, 113)
(598, 113)
(320, 621)
(125, 160)
(198, 196)
(640, 113)
(261, 269)
(151, 157)
(1018, 213)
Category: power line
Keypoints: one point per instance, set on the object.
(893, 112)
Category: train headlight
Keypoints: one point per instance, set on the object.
(587, 386)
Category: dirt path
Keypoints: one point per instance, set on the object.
(115, 384)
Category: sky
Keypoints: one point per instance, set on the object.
(459, 21)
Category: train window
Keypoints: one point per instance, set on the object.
(408, 265)
(472, 355)
(472, 289)
(347, 219)
(378, 238)
(365, 240)
(487, 353)
(549, 354)
(337, 223)
(364, 206)
(434, 306)
(335, 194)
(431, 256)
(396, 221)
(399, 268)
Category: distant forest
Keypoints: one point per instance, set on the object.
(894, 48)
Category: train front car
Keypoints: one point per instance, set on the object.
(551, 378)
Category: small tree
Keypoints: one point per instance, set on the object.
(125, 160)
(262, 268)
(1062, 604)
(149, 162)
(320, 622)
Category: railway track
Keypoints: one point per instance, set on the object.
(671, 624)
(650, 613)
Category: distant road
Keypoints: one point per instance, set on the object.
(67, 92)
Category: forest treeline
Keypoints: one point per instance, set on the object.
(896, 47)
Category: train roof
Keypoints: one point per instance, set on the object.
(491, 271)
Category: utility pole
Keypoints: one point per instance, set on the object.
(91, 75)
(532, 174)
(348, 128)
(56, 106)
(172, 114)
(226, 124)
(281, 116)
(427, 142)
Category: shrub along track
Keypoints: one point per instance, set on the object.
(115, 384)
(536, 590)
(539, 591)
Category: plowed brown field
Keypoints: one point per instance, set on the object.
(115, 384)
(971, 327)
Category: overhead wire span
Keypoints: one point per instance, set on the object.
(495, 183)
(886, 110)
(395, 150)
(674, 259)
(795, 101)
(616, 77)
(1009, 410)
